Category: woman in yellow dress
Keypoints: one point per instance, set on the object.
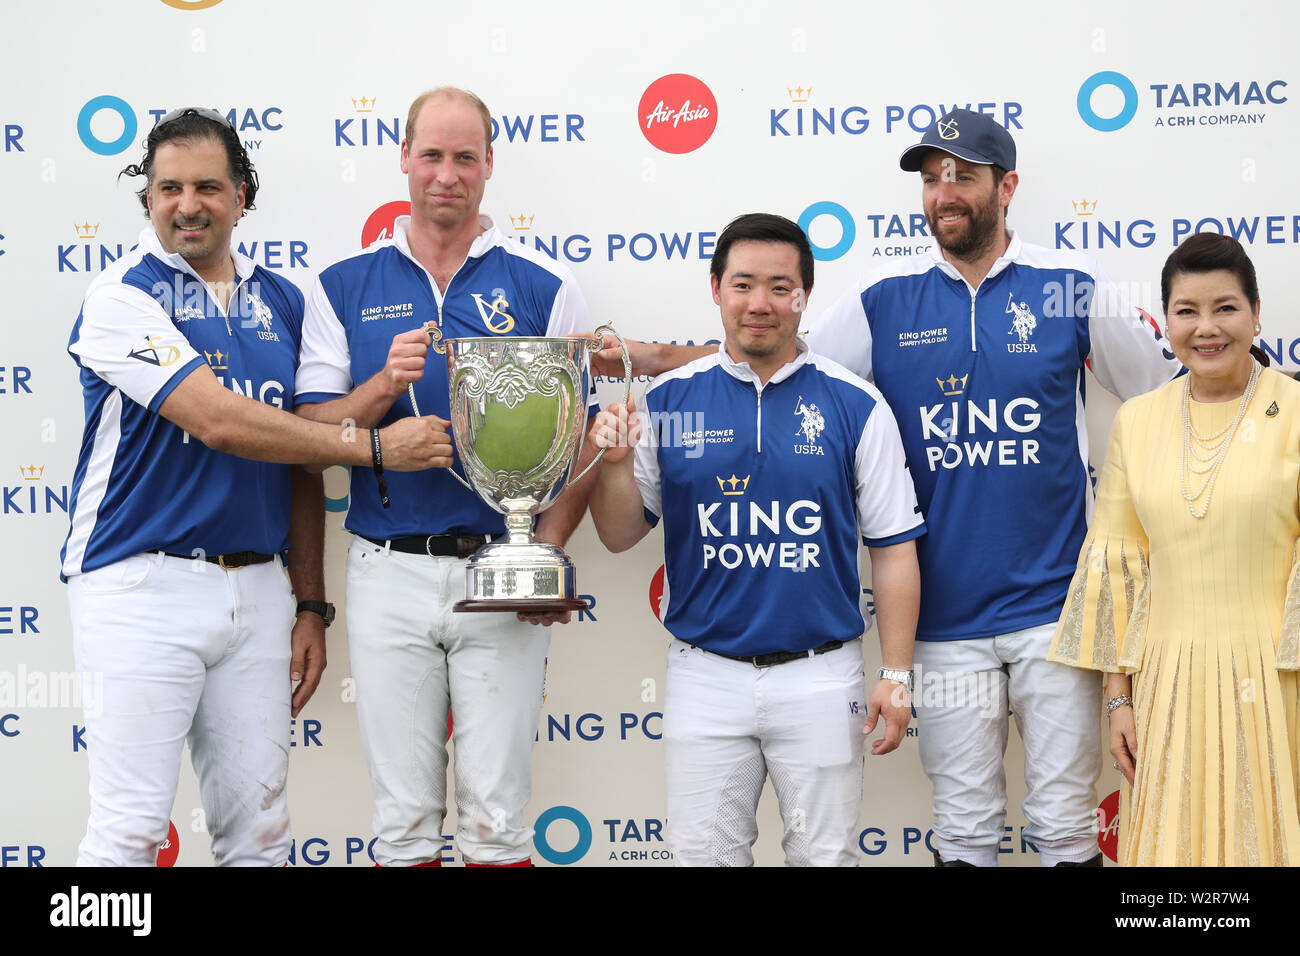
(1187, 592)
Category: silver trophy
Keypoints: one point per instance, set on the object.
(518, 417)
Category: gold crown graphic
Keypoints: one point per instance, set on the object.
(522, 222)
(799, 94)
(1083, 207)
(86, 231)
(363, 105)
(217, 359)
(734, 482)
(32, 472)
(952, 385)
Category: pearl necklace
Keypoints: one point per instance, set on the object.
(1215, 447)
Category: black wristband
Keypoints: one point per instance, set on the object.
(323, 608)
(377, 459)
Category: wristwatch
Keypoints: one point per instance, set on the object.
(898, 675)
(326, 611)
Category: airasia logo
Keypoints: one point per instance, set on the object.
(170, 848)
(677, 113)
(1108, 826)
(380, 224)
(657, 594)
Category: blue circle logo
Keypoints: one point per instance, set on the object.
(848, 229)
(1094, 83)
(562, 857)
(119, 106)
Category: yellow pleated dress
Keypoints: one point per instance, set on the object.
(1204, 613)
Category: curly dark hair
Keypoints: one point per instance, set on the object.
(189, 125)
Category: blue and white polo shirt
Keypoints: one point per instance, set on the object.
(988, 388)
(764, 491)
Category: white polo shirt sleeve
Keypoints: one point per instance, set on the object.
(842, 333)
(888, 512)
(1126, 353)
(126, 338)
(324, 361)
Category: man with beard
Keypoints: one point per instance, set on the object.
(183, 506)
(979, 347)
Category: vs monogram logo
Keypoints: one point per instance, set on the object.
(494, 314)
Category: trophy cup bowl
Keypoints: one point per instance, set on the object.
(519, 415)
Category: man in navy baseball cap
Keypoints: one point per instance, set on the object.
(973, 137)
(980, 315)
(967, 164)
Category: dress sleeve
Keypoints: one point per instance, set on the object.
(1288, 639)
(1104, 621)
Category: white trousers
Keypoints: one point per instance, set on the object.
(185, 650)
(413, 658)
(964, 689)
(728, 725)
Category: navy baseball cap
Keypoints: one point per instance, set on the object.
(973, 137)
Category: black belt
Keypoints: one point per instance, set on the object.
(434, 545)
(228, 562)
(780, 657)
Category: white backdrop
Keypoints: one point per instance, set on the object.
(814, 103)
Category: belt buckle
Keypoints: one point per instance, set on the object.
(221, 562)
(428, 538)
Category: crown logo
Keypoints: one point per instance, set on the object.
(86, 231)
(1084, 208)
(363, 105)
(799, 94)
(32, 472)
(521, 222)
(217, 359)
(952, 385)
(738, 485)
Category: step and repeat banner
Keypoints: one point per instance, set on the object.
(625, 137)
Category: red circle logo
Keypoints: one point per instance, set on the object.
(657, 594)
(380, 224)
(1108, 826)
(170, 848)
(677, 113)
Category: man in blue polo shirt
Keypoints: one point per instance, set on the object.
(766, 462)
(187, 355)
(412, 657)
(979, 346)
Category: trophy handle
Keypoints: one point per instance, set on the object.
(435, 335)
(594, 343)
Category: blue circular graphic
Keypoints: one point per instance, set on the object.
(1108, 78)
(849, 229)
(562, 857)
(117, 105)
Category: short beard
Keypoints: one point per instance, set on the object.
(980, 234)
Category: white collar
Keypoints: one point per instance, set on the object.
(743, 372)
(1009, 255)
(150, 243)
(484, 241)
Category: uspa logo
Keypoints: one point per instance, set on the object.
(677, 113)
(379, 225)
(1108, 826)
(170, 848)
